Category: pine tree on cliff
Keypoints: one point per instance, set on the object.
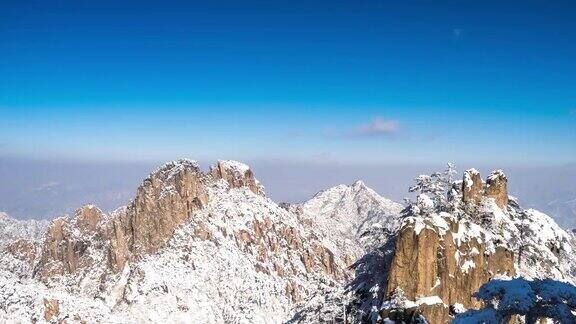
(435, 185)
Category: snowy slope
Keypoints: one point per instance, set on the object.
(540, 248)
(240, 259)
(351, 218)
(12, 229)
(344, 216)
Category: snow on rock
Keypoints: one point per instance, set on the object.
(452, 248)
(472, 187)
(533, 299)
(211, 248)
(468, 176)
(12, 229)
(344, 215)
(429, 300)
(194, 247)
(353, 220)
(234, 166)
(497, 188)
(458, 308)
(237, 175)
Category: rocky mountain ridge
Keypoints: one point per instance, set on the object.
(452, 241)
(12, 229)
(210, 247)
(175, 252)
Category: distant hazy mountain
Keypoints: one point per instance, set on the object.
(46, 189)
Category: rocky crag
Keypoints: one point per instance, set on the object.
(209, 247)
(191, 245)
(452, 241)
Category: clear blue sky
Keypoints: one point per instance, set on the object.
(347, 81)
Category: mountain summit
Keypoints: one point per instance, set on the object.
(210, 247)
(193, 246)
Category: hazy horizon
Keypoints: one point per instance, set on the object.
(46, 189)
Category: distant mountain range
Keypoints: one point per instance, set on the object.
(209, 246)
(48, 189)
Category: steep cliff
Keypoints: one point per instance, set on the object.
(434, 264)
(210, 247)
(450, 243)
(191, 246)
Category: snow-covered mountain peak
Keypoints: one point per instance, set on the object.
(356, 193)
(344, 213)
(207, 247)
(235, 166)
(172, 168)
(237, 174)
(210, 247)
(359, 184)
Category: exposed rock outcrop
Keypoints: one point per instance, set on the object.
(432, 263)
(237, 175)
(474, 190)
(23, 250)
(67, 241)
(51, 309)
(87, 218)
(164, 201)
(102, 256)
(450, 243)
(497, 188)
(472, 187)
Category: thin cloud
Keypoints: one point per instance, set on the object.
(50, 186)
(378, 127)
(457, 33)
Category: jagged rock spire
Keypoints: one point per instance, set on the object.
(237, 175)
(166, 199)
(472, 188)
(495, 187)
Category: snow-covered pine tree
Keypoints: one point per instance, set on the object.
(435, 185)
(535, 299)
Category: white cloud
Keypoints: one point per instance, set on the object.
(378, 127)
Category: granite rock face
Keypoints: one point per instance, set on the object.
(472, 187)
(497, 188)
(185, 233)
(51, 309)
(432, 263)
(164, 201)
(449, 244)
(67, 242)
(474, 190)
(237, 175)
(22, 249)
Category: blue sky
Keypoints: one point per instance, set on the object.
(340, 81)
